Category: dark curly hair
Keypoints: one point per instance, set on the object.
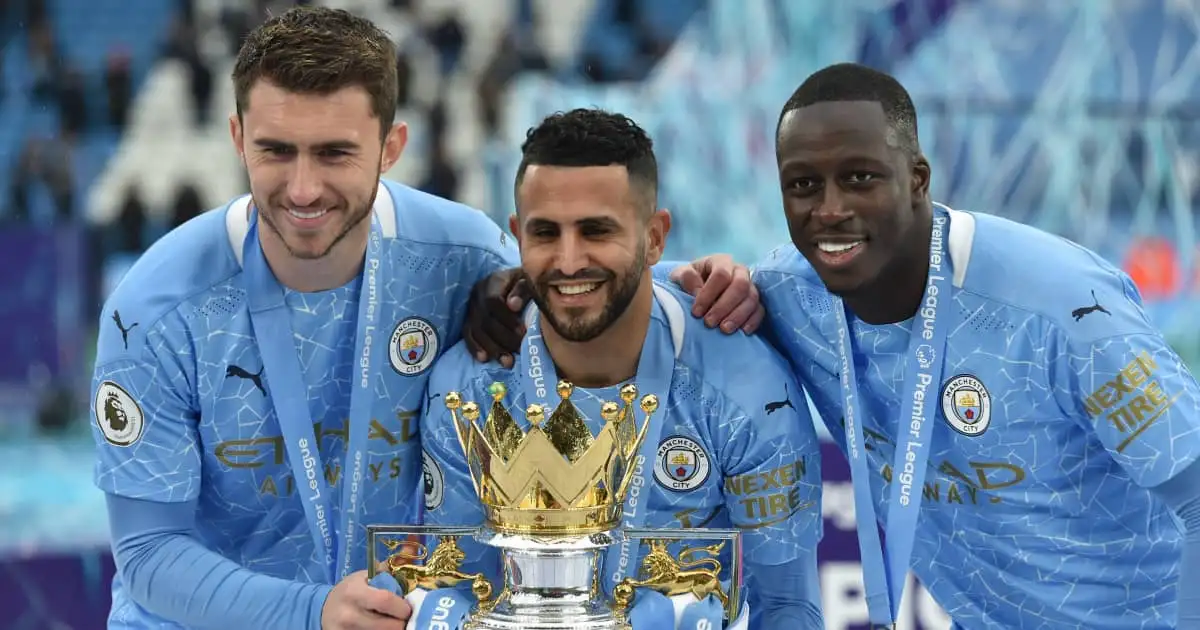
(593, 137)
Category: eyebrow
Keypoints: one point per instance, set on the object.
(335, 145)
(605, 222)
(855, 159)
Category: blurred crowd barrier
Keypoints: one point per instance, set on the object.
(1081, 117)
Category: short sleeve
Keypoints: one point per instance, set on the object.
(496, 250)
(1141, 400)
(487, 250)
(144, 416)
(772, 463)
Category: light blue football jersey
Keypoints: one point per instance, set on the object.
(1059, 406)
(183, 407)
(736, 447)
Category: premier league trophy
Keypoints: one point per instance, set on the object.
(553, 499)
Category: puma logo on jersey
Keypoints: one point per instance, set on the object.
(233, 370)
(116, 316)
(772, 407)
(1084, 311)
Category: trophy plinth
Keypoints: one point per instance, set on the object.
(550, 584)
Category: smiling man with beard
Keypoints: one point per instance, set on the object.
(256, 400)
(589, 230)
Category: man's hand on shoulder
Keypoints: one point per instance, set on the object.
(723, 292)
(355, 605)
(494, 328)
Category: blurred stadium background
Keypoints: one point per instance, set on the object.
(1077, 116)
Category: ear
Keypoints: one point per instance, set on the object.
(513, 225)
(920, 178)
(657, 229)
(393, 146)
(235, 134)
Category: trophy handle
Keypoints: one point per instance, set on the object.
(622, 601)
(441, 568)
(678, 574)
(481, 588)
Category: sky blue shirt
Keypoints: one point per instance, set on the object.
(1061, 413)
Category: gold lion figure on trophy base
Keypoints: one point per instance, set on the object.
(440, 570)
(671, 576)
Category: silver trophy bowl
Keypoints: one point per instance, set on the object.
(549, 584)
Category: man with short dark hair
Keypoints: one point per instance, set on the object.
(261, 369)
(958, 350)
(731, 445)
(1025, 436)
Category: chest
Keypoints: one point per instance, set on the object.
(998, 431)
(679, 480)
(239, 399)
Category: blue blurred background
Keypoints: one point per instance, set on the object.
(1077, 116)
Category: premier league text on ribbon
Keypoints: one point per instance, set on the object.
(927, 317)
(631, 512)
(314, 487)
(885, 568)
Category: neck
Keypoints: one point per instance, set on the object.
(308, 275)
(610, 358)
(896, 294)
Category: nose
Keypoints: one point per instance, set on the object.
(571, 257)
(304, 185)
(831, 208)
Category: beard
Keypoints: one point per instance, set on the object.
(576, 326)
(354, 216)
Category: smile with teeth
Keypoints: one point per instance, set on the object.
(315, 214)
(837, 248)
(577, 288)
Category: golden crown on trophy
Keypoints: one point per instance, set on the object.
(555, 478)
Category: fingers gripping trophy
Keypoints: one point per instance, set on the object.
(553, 497)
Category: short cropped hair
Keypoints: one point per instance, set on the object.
(854, 82)
(593, 137)
(316, 50)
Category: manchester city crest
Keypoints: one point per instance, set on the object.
(413, 347)
(681, 464)
(967, 405)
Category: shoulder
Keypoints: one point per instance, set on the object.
(191, 259)
(737, 366)
(783, 264)
(1069, 286)
(456, 370)
(784, 278)
(422, 218)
